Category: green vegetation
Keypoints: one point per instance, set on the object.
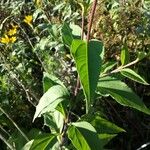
(74, 74)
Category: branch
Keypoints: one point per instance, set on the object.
(91, 19)
(25, 90)
(5, 141)
(22, 133)
(120, 68)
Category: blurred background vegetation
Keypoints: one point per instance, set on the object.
(31, 43)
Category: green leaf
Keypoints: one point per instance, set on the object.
(106, 129)
(129, 73)
(124, 55)
(121, 93)
(88, 63)
(49, 121)
(54, 121)
(51, 99)
(76, 31)
(108, 66)
(102, 125)
(67, 34)
(16, 139)
(105, 138)
(34, 132)
(28, 145)
(142, 55)
(83, 136)
(49, 81)
(62, 108)
(44, 142)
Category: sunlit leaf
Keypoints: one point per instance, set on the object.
(124, 55)
(129, 73)
(43, 142)
(49, 81)
(88, 63)
(83, 136)
(119, 91)
(51, 99)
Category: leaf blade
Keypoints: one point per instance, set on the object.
(124, 55)
(129, 73)
(51, 99)
(88, 63)
(43, 142)
(119, 91)
(84, 136)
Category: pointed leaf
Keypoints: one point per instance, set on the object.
(102, 125)
(105, 138)
(62, 108)
(88, 63)
(84, 136)
(49, 121)
(108, 66)
(51, 99)
(121, 93)
(129, 73)
(28, 145)
(67, 34)
(49, 81)
(44, 142)
(124, 55)
(106, 130)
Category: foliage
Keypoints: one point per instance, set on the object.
(45, 54)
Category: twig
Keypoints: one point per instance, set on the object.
(4, 131)
(19, 83)
(22, 133)
(120, 68)
(25, 90)
(29, 41)
(5, 141)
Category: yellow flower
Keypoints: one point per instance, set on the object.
(12, 39)
(5, 39)
(12, 31)
(28, 19)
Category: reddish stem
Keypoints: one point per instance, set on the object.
(91, 19)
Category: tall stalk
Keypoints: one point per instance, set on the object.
(17, 127)
(91, 20)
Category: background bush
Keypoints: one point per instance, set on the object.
(39, 47)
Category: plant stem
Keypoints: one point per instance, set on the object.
(120, 68)
(82, 36)
(30, 43)
(3, 130)
(91, 19)
(5, 141)
(88, 36)
(21, 132)
(82, 31)
(89, 32)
